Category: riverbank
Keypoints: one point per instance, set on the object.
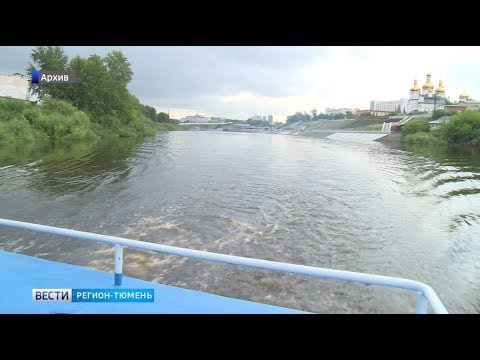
(97, 105)
(57, 120)
(463, 131)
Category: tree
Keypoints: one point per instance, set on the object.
(162, 118)
(100, 90)
(49, 58)
(439, 113)
(350, 115)
(101, 87)
(463, 128)
(298, 116)
(415, 126)
(314, 113)
(149, 112)
(93, 92)
(118, 67)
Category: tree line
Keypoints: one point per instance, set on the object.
(101, 86)
(462, 129)
(314, 115)
(98, 104)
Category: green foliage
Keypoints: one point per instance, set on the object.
(53, 106)
(298, 116)
(323, 116)
(439, 113)
(149, 112)
(9, 107)
(48, 58)
(422, 138)
(16, 130)
(170, 127)
(100, 90)
(97, 105)
(97, 90)
(359, 123)
(119, 67)
(462, 129)
(162, 117)
(415, 126)
(58, 120)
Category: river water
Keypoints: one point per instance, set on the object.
(367, 207)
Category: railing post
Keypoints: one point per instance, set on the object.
(118, 264)
(422, 304)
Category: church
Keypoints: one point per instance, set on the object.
(422, 100)
(426, 99)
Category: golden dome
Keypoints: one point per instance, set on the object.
(464, 95)
(428, 86)
(440, 88)
(415, 88)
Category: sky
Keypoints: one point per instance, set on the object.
(237, 82)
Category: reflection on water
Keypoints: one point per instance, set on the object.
(408, 212)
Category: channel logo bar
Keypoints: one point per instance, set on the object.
(93, 295)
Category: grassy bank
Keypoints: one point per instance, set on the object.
(58, 120)
(169, 127)
(345, 124)
(462, 130)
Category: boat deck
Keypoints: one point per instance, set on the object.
(19, 274)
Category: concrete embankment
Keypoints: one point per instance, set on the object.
(394, 137)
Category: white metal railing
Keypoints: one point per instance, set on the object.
(425, 294)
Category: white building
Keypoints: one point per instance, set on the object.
(333, 111)
(16, 86)
(270, 119)
(196, 119)
(388, 105)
